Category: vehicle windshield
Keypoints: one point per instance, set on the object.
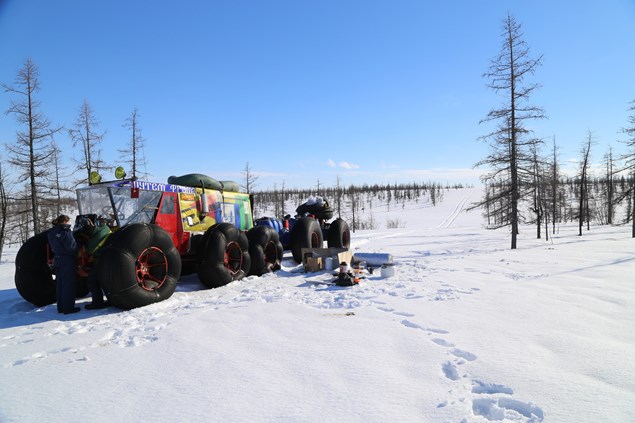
(116, 206)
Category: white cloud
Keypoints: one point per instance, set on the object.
(347, 165)
(342, 164)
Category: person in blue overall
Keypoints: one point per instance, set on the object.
(65, 249)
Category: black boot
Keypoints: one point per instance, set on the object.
(96, 305)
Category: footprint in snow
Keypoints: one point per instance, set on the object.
(503, 408)
(439, 331)
(463, 354)
(409, 324)
(403, 313)
(442, 342)
(450, 371)
(497, 409)
(490, 388)
(491, 408)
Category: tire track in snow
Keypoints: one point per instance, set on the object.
(448, 221)
(355, 244)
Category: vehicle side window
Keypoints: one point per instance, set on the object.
(167, 206)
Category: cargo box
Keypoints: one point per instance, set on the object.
(314, 259)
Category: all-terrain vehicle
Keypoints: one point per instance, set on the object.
(310, 228)
(139, 237)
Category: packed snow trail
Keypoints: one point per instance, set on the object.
(448, 221)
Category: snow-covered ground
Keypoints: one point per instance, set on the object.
(466, 331)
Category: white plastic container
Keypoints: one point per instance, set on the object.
(328, 263)
(387, 270)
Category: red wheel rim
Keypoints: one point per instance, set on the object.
(233, 259)
(151, 268)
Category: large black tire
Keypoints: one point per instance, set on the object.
(306, 233)
(33, 277)
(224, 256)
(139, 266)
(339, 234)
(265, 250)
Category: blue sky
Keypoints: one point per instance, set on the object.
(367, 91)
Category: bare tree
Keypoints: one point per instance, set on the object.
(338, 196)
(32, 151)
(538, 188)
(554, 182)
(57, 187)
(609, 192)
(134, 155)
(84, 133)
(250, 178)
(4, 209)
(282, 198)
(583, 211)
(353, 207)
(509, 142)
(629, 157)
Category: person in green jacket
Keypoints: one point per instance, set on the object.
(97, 238)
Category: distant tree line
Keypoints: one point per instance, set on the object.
(591, 199)
(353, 203)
